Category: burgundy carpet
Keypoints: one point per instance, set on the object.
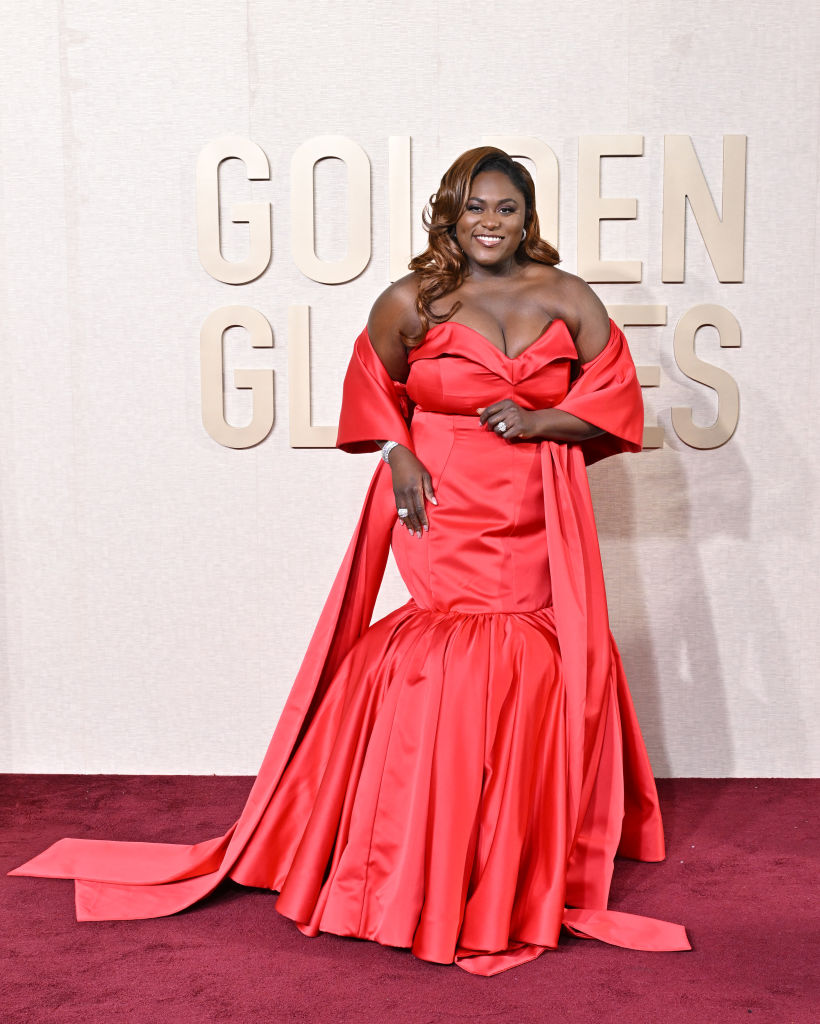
(741, 874)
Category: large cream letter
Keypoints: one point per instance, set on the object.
(259, 381)
(696, 369)
(546, 177)
(303, 232)
(401, 243)
(593, 207)
(648, 376)
(302, 432)
(255, 214)
(723, 235)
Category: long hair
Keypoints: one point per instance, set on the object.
(442, 266)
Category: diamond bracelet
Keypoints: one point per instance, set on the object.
(388, 447)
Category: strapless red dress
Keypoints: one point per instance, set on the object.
(457, 777)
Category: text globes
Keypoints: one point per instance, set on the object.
(722, 234)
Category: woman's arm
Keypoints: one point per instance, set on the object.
(544, 424)
(586, 317)
(588, 322)
(393, 318)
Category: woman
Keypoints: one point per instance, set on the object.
(458, 777)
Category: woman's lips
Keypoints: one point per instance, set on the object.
(489, 241)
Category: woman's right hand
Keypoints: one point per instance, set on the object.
(412, 484)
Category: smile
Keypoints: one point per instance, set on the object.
(489, 240)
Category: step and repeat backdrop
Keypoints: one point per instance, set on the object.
(200, 202)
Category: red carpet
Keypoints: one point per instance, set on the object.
(741, 873)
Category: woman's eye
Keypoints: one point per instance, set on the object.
(508, 209)
(474, 209)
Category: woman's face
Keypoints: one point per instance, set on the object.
(489, 229)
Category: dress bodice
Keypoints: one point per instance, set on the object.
(485, 550)
(455, 369)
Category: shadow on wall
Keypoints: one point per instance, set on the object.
(674, 670)
(700, 715)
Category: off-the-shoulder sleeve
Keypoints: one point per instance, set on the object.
(608, 395)
(374, 407)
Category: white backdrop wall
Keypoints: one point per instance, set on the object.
(159, 589)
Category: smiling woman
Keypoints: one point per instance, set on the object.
(457, 777)
(483, 212)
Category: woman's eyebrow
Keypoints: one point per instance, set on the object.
(477, 199)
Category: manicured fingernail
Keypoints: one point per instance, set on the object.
(434, 501)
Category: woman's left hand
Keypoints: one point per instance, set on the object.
(508, 419)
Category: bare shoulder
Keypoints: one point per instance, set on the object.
(580, 308)
(392, 319)
(394, 311)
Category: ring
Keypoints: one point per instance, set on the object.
(501, 427)
(403, 513)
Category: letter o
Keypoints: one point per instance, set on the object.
(303, 234)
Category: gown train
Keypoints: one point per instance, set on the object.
(457, 777)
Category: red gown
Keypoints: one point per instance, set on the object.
(457, 777)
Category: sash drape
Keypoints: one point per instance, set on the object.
(120, 881)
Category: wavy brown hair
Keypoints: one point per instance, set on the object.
(442, 266)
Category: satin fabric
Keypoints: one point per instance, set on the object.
(458, 777)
